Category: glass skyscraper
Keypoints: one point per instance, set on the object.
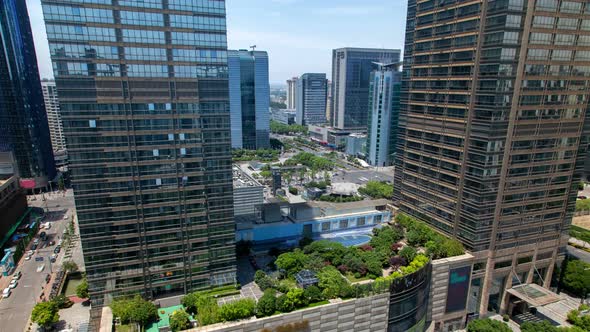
(249, 95)
(23, 122)
(493, 132)
(384, 98)
(143, 88)
(351, 70)
(312, 91)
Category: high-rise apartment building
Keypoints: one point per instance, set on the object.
(249, 99)
(312, 90)
(143, 88)
(23, 123)
(292, 92)
(58, 140)
(384, 94)
(492, 136)
(351, 70)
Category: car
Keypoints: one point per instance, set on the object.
(17, 275)
(53, 258)
(48, 225)
(34, 247)
(13, 284)
(28, 257)
(51, 243)
(47, 277)
(6, 292)
(36, 241)
(582, 197)
(66, 217)
(31, 252)
(56, 250)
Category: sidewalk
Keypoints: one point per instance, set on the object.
(577, 242)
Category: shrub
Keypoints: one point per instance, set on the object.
(408, 253)
(296, 298)
(136, 310)
(505, 318)
(266, 304)
(487, 325)
(283, 305)
(82, 289)
(239, 309)
(179, 320)
(291, 262)
(313, 294)
(396, 261)
(45, 314)
(331, 282)
(62, 301)
(293, 191)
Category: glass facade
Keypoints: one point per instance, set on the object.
(23, 123)
(311, 99)
(249, 93)
(149, 142)
(493, 130)
(408, 302)
(351, 71)
(384, 94)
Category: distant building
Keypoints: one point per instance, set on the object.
(23, 122)
(248, 195)
(249, 99)
(329, 103)
(284, 116)
(351, 69)
(292, 92)
(332, 137)
(356, 144)
(384, 103)
(56, 130)
(312, 91)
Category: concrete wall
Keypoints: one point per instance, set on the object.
(364, 314)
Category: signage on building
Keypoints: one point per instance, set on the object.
(458, 288)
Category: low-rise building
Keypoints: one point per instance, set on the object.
(356, 144)
(248, 194)
(283, 116)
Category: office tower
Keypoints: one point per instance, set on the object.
(58, 141)
(384, 91)
(292, 92)
(143, 89)
(312, 90)
(23, 123)
(249, 99)
(351, 68)
(329, 103)
(492, 136)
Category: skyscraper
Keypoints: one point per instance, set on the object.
(384, 93)
(351, 68)
(312, 90)
(329, 103)
(58, 140)
(492, 135)
(23, 123)
(249, 96)
(143, 88)
(292, 92)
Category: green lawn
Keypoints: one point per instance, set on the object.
(352, 278)
(126, 328)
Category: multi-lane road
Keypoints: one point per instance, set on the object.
(16, 309)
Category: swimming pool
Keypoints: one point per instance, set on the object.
(351, 240)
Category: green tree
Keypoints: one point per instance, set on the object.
(377, 189)
(192, 301)
(408, 253)
(283, 305)
(580, 321)
(136, 310)
(296, 298)
(45, 314)
(70, 266)
(331, 282)
(313, 294)
(266, 304)
(62, 301)
(291, 262)
(179, 320)
(543, 326)
(576, 278)
(275, 104)
(487, 325)
(82, 289)
(239, 309)
(208, 311)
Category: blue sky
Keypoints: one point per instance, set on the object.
(299, 35)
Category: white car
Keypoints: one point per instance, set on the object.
(6, 292)
(17, 275)
(28, 257)
(13, 284)
(36, 241)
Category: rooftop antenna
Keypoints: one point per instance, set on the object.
(253, 47)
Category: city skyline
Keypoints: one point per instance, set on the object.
(299, 35)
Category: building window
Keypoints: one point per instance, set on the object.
(183, 151)
(158, 182)
(92, 123)
(343, 224)
(171, 137)
(361, 221)
(325, 226)
(156, 152)
(377, 219)
(181, 137)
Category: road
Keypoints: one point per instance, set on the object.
(16, 310)
(579, 253)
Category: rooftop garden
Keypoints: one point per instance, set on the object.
(283, 129)
(263, 155)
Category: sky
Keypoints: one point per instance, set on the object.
(299, 35)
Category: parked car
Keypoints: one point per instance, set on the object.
(6, 292)
(51, 243)
(13, 284)
(53, 258)
(47, 277)
(34, 247)
(56, 250)
(43, 236)
(28, 257)
(17, 275)
(36, 241)
(582, 197)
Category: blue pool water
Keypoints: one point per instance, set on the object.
(351, 240)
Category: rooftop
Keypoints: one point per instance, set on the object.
(242, 179)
